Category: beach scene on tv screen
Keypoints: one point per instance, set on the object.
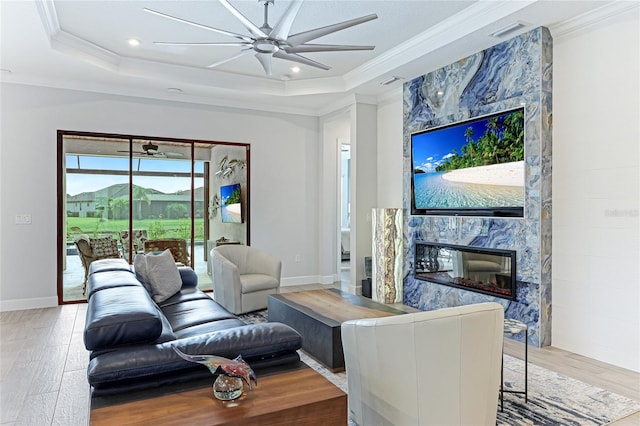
(230, 205)
(475, 164)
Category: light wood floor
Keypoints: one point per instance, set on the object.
(43, 367)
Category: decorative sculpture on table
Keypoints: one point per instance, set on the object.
(230, 372)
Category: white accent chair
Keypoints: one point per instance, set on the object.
(438, 367)
(243, 277)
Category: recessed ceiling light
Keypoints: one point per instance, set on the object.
(174, 90)
(133, 42)
(295, 69)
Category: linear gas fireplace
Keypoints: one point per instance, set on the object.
(483, 270)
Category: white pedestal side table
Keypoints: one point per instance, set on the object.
(513, 327)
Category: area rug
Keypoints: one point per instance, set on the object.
(554, 399)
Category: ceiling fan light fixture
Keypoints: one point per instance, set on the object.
(266, 46)
(269, 42)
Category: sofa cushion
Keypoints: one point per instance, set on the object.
(111, 264)
(167, 333)
(194, 312)
(208, 327)
(121, 316)
(163, 275)
(185, 294)
(110, 279)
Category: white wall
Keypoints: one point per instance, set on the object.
(596, 296)
(390, 168)
(284, 176)
(363, 188)
(219, 229)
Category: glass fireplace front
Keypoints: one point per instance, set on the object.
(483, 270)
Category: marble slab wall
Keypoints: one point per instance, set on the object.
(515, 73)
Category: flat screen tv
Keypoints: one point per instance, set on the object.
(470, 168)
(230, 203)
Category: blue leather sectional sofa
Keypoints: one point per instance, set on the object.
(129, 336)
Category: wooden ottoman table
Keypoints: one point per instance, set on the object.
(317, 316)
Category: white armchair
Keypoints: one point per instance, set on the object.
(243, 277)
(439, 367)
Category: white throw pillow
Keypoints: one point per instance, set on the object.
(140, 267)
(162, 275)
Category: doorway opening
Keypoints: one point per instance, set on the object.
(345, 213)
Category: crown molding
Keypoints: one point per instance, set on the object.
(48, 16)
(463, 23)
(347, 102)
(160, 96)
(70, 44)
(593, 17)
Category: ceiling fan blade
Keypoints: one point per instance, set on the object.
(265, 60)
(173, 154)
(281, 29)
(133, 152)
(175, 43)
(253, 29)
(195, 24)
(300, 59)
(305, 48)
(300, 38)
(230, 58)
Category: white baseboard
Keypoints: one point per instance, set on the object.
(309, 279)
(22, 304)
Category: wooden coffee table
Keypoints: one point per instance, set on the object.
(317, 316)
(298, 397)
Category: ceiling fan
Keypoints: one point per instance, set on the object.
(152, 150)
(274, 42)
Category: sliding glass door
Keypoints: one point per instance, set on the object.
(133, 195)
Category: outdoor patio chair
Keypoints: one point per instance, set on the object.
(90, 249)
(177, 246)
(139, 236)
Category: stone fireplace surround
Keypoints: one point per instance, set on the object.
(517, 72)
